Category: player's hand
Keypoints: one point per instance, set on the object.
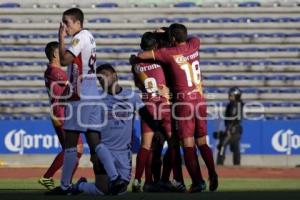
(164, 91)
(132, 59)
(62, 30)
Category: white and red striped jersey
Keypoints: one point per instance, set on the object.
(82, 71)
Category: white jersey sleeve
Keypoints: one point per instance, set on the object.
(77, 44)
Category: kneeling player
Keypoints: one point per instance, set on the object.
(118, 106)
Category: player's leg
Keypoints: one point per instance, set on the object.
(166, 121)
(104, 155)
(201, 141)
(123, 161)
(157, 146)
(70, 158)
(186, 128)
(47, 180)
(143, 158)
(79, 153)
(100, 187)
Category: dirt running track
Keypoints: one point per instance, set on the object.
(224, 172)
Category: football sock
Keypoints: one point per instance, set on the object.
(177, 167)
(106, 159)
(70, 161)
(156, 164)
(141, 159)
(77, 164)
(207, 156)
(167, 167)
(192, 164)
(148, 169)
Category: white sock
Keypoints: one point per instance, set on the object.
(70, 161)
(107, 160)
(89, 188)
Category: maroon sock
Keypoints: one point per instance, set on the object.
(148, 170)
(177, 167)
(167, 166)
(192, 164)
(56, 165)
(141, 160)
(156, 164)
(208, 158)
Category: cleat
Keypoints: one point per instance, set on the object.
(136, 186)
(117, 186)
(213, 182)
(75, 188)
(59, 191)
(47, 183)
(200, 187)
(164, 186)
(178, 186)
(148, 187)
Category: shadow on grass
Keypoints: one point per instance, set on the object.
(223, 195)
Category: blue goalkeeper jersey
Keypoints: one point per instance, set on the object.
(117, 114)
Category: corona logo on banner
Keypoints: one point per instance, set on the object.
(284, 141)
(17, 141)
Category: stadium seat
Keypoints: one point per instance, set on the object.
(107, 5)
(158, 20)
(263, 20)
(202, 20)
(249, 4)
(99, 20)
(185, 4)
(179, 20)
(5, 20)
(9, 5)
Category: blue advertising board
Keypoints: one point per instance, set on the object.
(265, 137)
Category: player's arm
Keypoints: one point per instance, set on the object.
(66, 57)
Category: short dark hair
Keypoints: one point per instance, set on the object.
(148, 41)
(162, 38)
(105, 66)
(178, 31)
(50, 48)
(76, 14)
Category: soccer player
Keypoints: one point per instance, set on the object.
(56, 81)
(182, 62)
(118, 111)
(80, 58)
(150, 78)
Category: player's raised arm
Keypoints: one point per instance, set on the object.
(66, 57)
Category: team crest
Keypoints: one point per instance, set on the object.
(75, 42)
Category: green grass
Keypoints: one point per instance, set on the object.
(231, 189)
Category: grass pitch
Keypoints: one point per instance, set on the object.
(229, 189)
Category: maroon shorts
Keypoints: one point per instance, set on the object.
(190, 117)
(160, 109)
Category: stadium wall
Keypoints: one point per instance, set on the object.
(264, 142)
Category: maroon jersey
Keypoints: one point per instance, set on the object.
(55, 81)
(182, 63)
(149, 75)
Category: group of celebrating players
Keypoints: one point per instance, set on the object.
(172, 109)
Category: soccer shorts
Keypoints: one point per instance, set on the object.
(190, 117)
(160, 109)
(122, 161)
(79, 115)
